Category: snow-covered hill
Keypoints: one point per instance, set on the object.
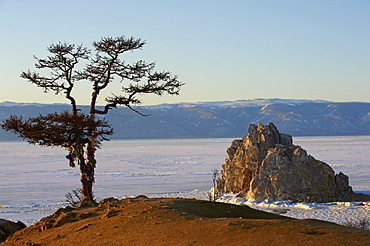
(222, 119)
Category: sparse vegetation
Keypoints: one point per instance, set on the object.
(74, 199)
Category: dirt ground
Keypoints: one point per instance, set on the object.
(175, 221)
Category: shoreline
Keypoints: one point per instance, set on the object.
(336, 212)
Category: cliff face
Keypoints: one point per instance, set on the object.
(265, 165)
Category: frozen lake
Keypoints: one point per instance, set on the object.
(34, 180)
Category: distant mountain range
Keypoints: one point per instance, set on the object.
(220, 119)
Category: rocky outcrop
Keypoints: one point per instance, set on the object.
(265, 165)
(7, 228)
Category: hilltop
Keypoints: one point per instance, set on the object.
(175, 221)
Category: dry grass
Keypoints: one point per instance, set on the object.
(160, 221)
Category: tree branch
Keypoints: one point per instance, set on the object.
(62, 61)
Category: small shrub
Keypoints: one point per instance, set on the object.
(75, 198)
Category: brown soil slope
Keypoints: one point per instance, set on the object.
(143, 221)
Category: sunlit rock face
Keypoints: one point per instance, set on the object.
(265, 165)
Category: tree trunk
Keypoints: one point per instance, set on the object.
(87, 167)
(86, 176)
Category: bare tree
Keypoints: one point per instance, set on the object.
(81, 133)
(214, 194)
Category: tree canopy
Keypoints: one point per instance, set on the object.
(81, 132)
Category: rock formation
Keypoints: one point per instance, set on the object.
(265, 165)
(7, 228)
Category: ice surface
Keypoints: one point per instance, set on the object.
(337, 212)
(34, 180)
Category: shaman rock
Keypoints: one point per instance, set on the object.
(265, 165)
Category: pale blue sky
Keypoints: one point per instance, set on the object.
(222, 50)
